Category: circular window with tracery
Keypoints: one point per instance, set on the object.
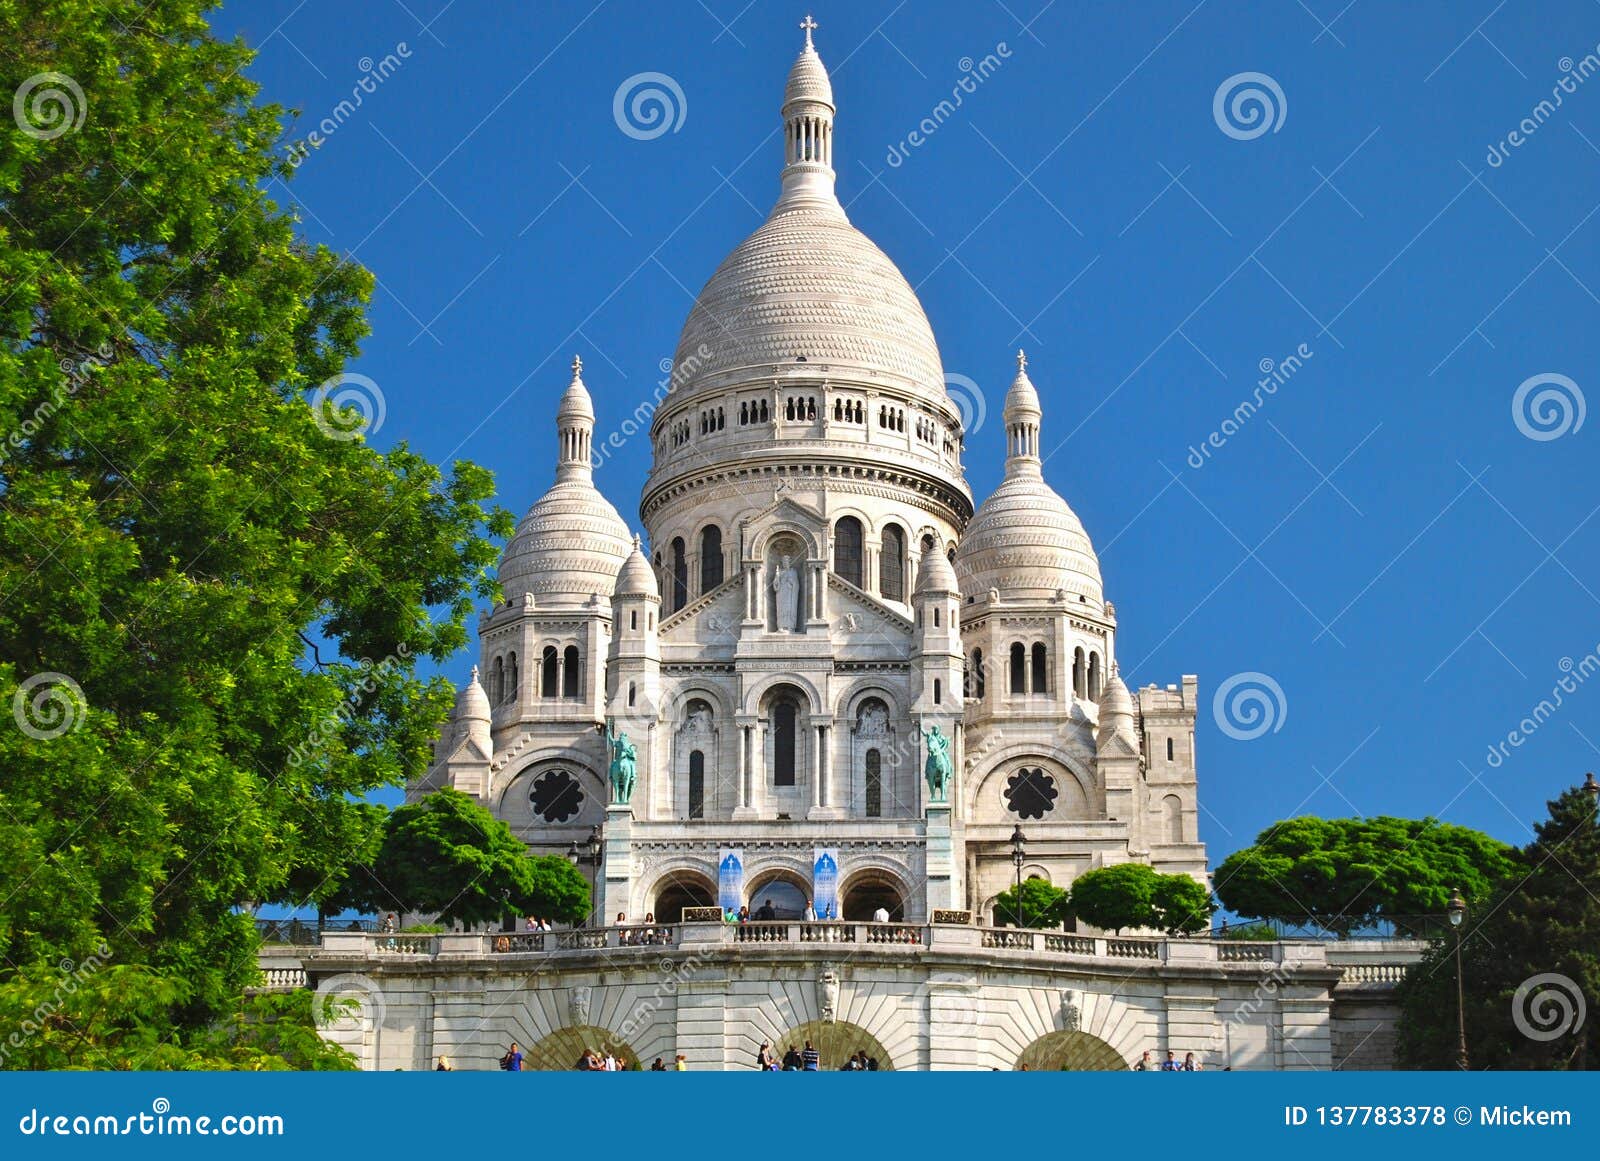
(556, 795)
(1031, 793)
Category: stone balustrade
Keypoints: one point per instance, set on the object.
(1005, 941)
(282, 979)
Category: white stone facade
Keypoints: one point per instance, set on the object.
(815, 590)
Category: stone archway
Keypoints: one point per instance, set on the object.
(868, 890)
(679, 889)
(788, 892)
(559, 1051)
(1070, 1052)
(836, 1041)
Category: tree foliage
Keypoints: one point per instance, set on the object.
(448, 856)
(1530, 959)
(223, 594)
(1137, 895)
(1043, 905)
(1344, 873)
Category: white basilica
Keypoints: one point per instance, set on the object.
(814, 595)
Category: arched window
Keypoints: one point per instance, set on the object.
(892, 564)
(1079, 675)
(513, 677)
(633, 618)
(874, 784)
(1094, 677)
(497, 684)
(847, 550)
(938, 691)
(1169, 749)
(710, 558)
(680, 574)
(977, 674)
(1019, 668)
(697, 784)
(1041, 668)
(569, 672)
(548, 666)
(1172, 818)
(633, 693)
(785, 726)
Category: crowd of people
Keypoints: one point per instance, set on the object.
(808, 1059)
(1170, 1064)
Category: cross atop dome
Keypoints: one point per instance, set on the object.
(577, 365)
(810, 26)
(1022, 359)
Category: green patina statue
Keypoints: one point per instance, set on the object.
(938, 767)
(624, 765)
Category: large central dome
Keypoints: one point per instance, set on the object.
(809, 286)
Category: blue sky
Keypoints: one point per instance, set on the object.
(1381, 538)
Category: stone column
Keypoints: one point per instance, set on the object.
(746, 807)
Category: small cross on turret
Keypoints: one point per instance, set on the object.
(809, 25)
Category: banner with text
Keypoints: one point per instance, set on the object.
(825, 882)
(730, 878)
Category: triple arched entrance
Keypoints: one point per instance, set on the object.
(862, 896)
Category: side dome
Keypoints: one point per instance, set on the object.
(569, 547)
(1024, 540)
(637, 578)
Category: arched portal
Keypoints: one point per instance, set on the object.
(1070, 1052)
(867, 891)
(559, 1051)
(785, 890)
(836, 1042)
(679, 890)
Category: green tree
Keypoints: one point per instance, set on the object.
(1182, 905)
(448, 856)
(1112, 898)
(217, 593)
(1344, 873)
(1530, 961)
(1043, 905)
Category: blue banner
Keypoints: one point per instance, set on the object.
(730, 878)
(825, 882)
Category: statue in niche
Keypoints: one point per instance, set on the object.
(786, 595)
(938, 766)
(699, 721)
(874, 721)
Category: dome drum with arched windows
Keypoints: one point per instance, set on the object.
(818, 643)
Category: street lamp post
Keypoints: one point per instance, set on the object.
(1458, 915)
(1018, 853)
(1592, 789)
(591, 855)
